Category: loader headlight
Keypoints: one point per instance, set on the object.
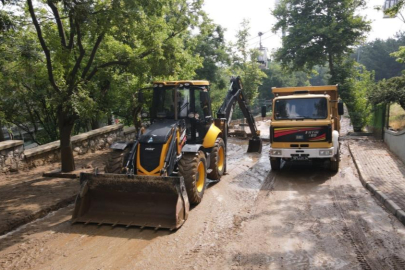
(325, 152)
(275, 152)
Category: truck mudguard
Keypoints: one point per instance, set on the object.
(335, 141)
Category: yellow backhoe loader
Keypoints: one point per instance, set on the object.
(151, 181)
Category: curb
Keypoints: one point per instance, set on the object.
(390, 205)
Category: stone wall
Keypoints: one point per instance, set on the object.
(13, 158)
(396, 142)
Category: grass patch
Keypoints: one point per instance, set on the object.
(397, 117)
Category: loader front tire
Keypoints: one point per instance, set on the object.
(217, 160)
(193, 167)
(116, 161)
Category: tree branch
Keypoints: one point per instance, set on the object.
(58, 22)
(72, 31)
(93, 54)
(43, 45)
(78, 61)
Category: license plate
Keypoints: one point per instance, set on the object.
(299, 137)
(299, 157)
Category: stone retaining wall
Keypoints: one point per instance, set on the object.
(13, 158)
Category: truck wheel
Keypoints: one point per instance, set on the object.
(193, 167)
(217, 160)
(116, 161)
(334, 165)
(275, 163)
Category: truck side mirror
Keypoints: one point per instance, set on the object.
(340, 108)
(140, 97)
(264, 109)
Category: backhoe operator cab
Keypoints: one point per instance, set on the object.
(185, 102)
(305, 125)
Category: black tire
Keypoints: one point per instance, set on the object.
(116, 161)
(189, 168)
(275, 164)
(334, 165)
(217, 160)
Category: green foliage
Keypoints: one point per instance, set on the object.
(319, 76)
(387, 91)
(379, 56)
(211, 47)
(245, 65)
(82, 62)
(278, 77)
(399, 55)
(362, 81)
(354, 84)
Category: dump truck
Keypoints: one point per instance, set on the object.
(305, 125)
(151, 181)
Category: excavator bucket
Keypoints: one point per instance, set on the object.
(131, 200)
(255, 145)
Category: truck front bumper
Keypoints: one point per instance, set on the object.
(298, 154)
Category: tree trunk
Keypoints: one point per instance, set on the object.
(66, 124)
(94, 123)
(1, 133)
(331, 67)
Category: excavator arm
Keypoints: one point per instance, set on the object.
(235, 94)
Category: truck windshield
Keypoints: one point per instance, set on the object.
(301, 108)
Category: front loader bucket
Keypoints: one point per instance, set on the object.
(255, 145)
(131, 200)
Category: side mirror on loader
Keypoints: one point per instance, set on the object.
(340, 108)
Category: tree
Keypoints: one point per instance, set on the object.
(377, 55)
(81, 40)
(318, 32)
(387, 91)
(212, 48)
(244, 63)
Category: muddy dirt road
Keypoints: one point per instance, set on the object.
(301, 217)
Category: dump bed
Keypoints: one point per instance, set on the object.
(331, 90)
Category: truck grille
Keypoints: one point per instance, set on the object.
(301, 134)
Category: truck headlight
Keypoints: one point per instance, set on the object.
(275, 152)
(325, 152)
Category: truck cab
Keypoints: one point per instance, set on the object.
(305, 125)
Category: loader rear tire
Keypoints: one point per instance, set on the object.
(217, 160)
(193, 167)
(116, 161)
